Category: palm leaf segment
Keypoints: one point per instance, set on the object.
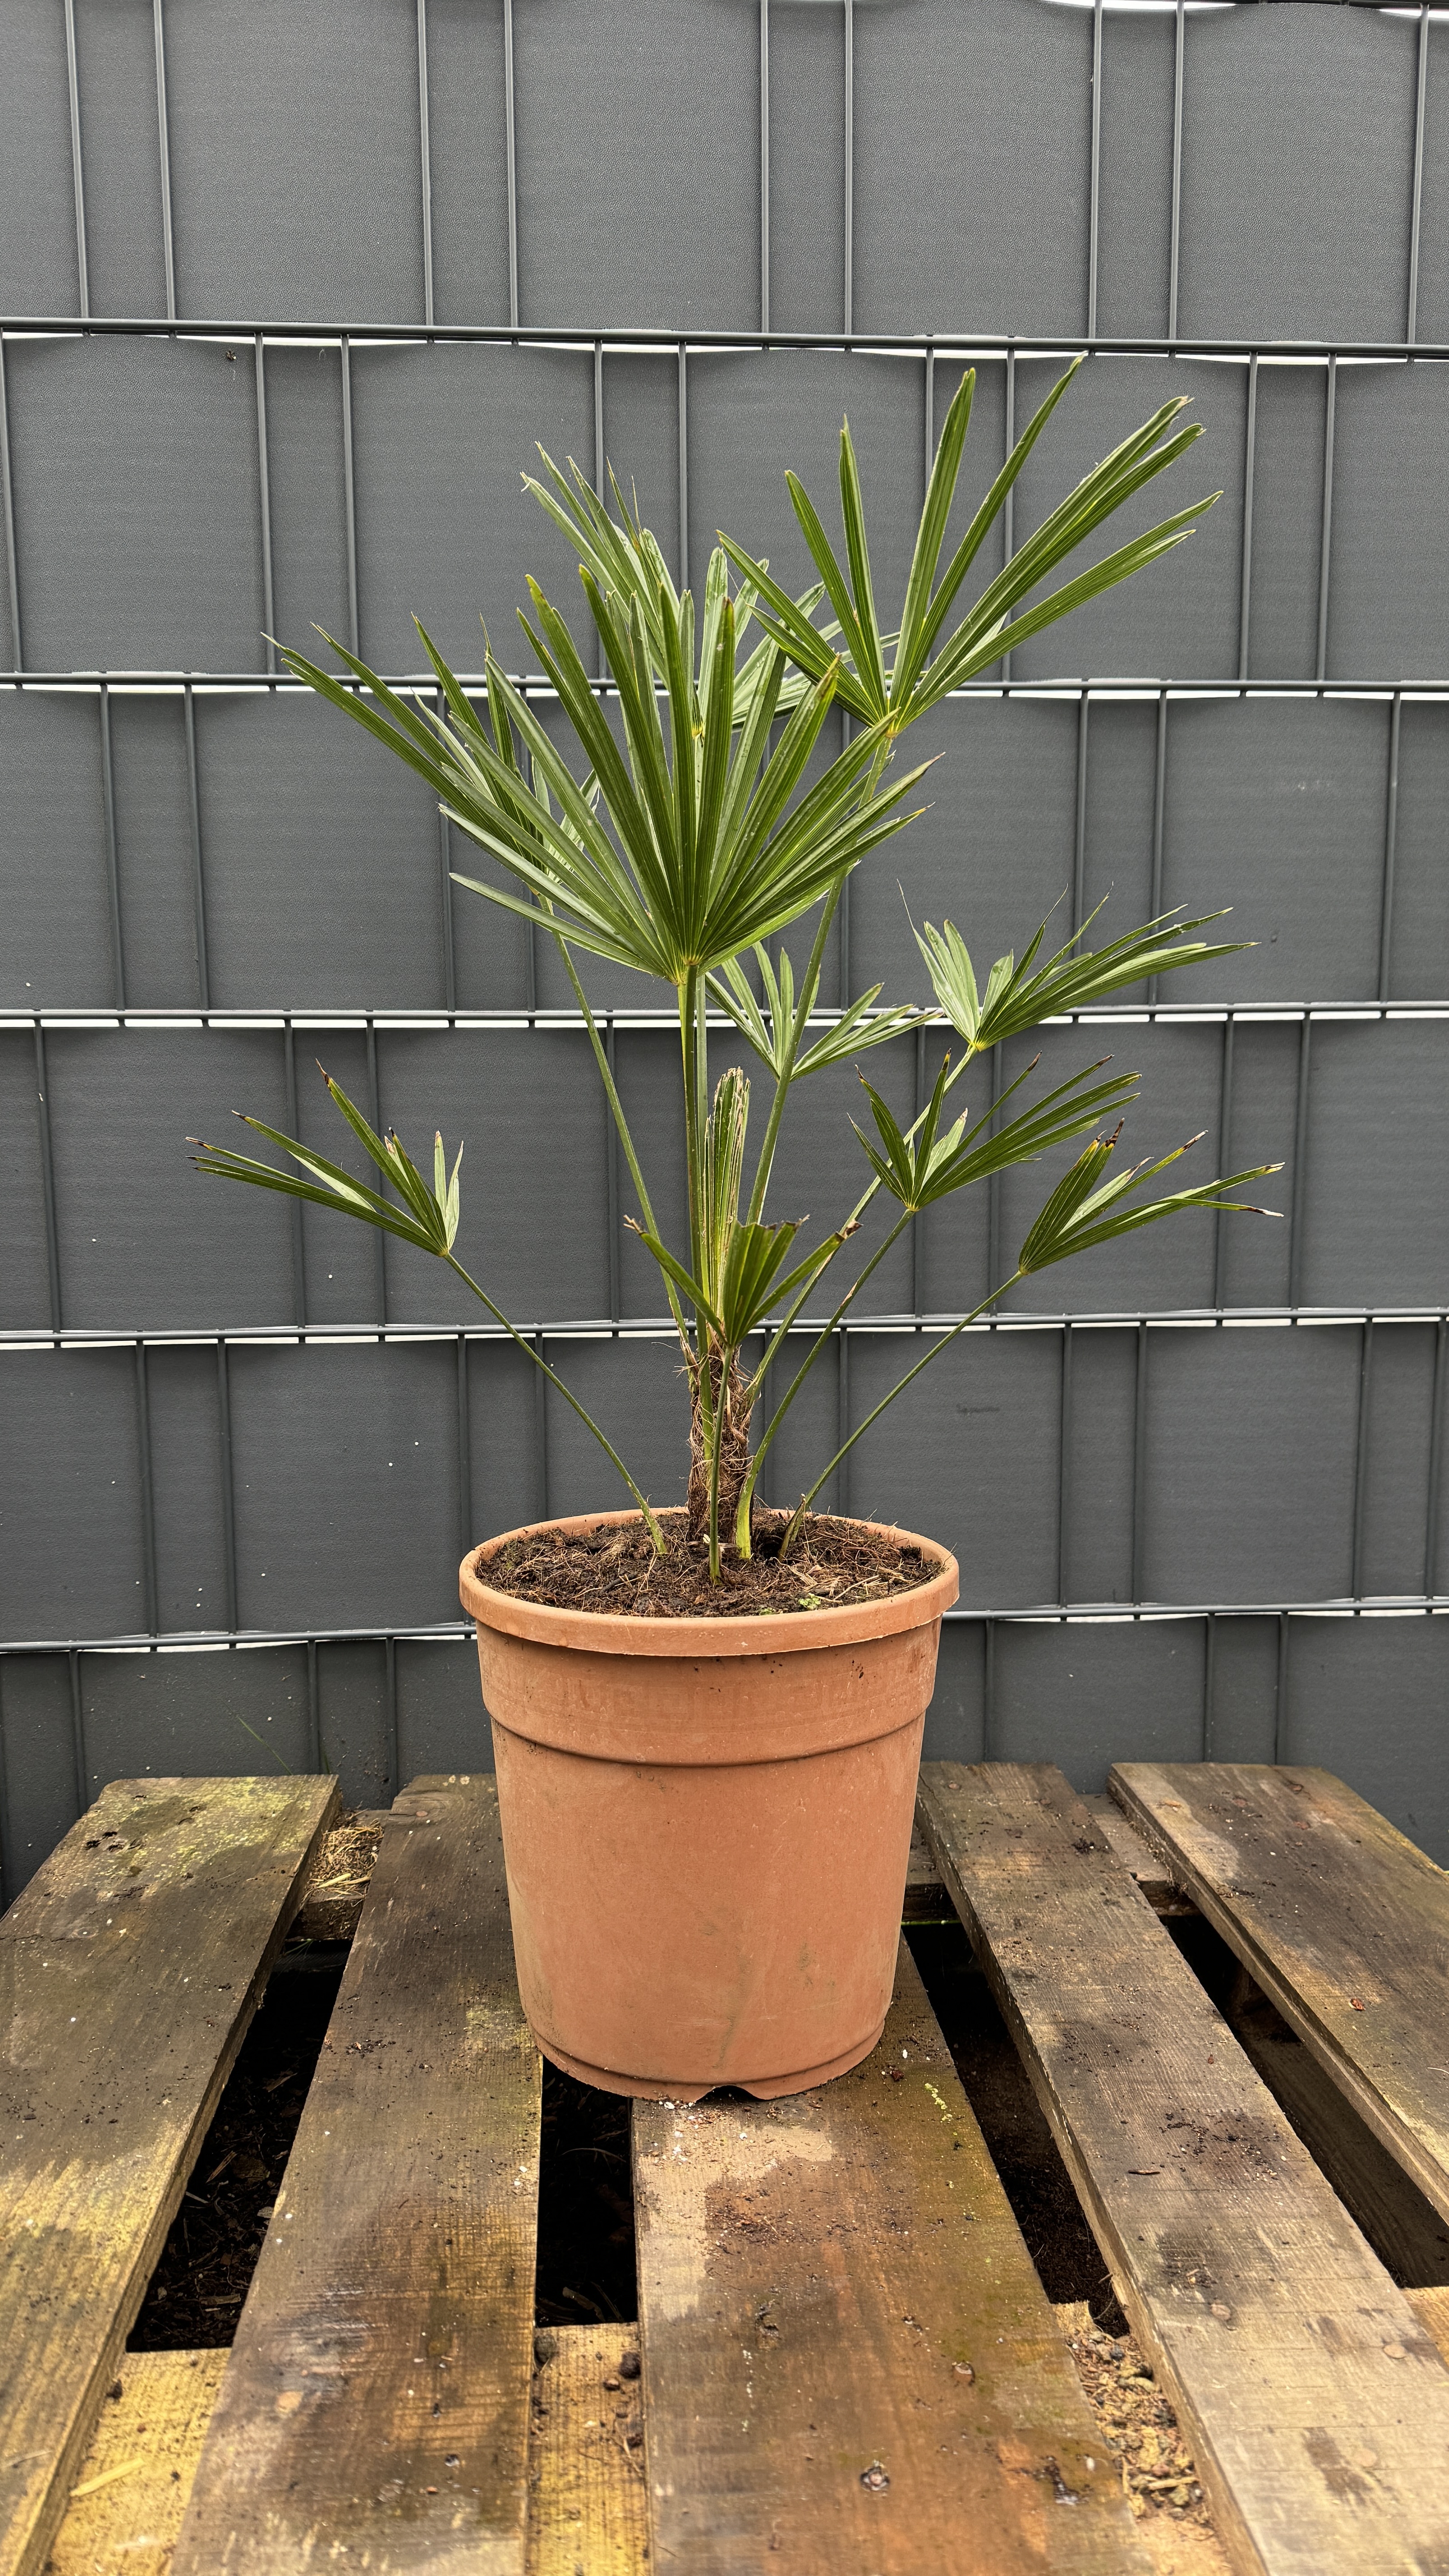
(684, 845)
(1084, 1209)
(742, 1262)
(428, 1217)
(1018, 997)
(887, 681)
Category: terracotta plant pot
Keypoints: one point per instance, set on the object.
(706, 1825)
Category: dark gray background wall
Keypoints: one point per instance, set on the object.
(1200, 1510)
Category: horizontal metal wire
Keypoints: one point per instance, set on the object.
(604, 1328)
(304, 1017)
(613, 336)
(462, 1632)
(1124, 688)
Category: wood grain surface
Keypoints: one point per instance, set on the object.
(1341, 1921)
(126, 2505)
(587, 2507)
(130, 1968)
(850, 2366)
(375, 2409)
(1314, 2403)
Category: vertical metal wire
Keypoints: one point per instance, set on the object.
(1174, 253)
(918, 1247)
(613, 1177)
(842, 1421)
(465, 1451)
(1209, 1676)
(1225, 1129)
(1391, 839)
(993, 1187)
(314, 1704)
(47, 1178)
(7, 494)
(375, 1112)
(390, 1710)
(425, 149)
(512, 150)
(228, 1480)
(1064, 1465)
(163, 136)
(148, 1497)
(299, 1251)
(80, 1759)
(198, 873)
(1280, 1690)
(1326, 526)
(1411, 326)
(849, 322)
(264, 504)
(1094, 212)
(1008, 507)
(1436, 1456)
(1250, 447)
(113, 873)
(349, 494)
(445, 896)
(540, 1428)
(82, 275)
(1361, 1452)
(683, 467)
(1159, 822)
(764, 165)
(988, 1691)
(1079, 848)
(600, 469)
(1300, 1159)
(1139, 1464)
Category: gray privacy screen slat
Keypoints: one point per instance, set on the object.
(240, 852)
(323, 877)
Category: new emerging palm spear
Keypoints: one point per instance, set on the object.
(665, 1776)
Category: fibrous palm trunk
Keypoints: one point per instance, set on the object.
(730, 1405)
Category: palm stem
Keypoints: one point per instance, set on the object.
(616, 1106)
(650, 1523)
(797, 1517)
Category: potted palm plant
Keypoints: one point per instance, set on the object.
(707, 1718)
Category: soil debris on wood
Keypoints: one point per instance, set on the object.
(1139, 2429)
(332, 1899)
(614, 1569)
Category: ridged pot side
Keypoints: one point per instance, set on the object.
(706, 1825)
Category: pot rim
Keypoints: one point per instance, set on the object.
(783, 1632)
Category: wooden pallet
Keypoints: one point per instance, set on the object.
(844, 2358)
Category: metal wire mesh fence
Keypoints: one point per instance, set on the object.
(1201, 1510)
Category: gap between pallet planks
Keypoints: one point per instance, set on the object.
(130, 1968)
(1315, 2405)
(376, 2402)
(1341, 1922)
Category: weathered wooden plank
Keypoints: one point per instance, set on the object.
(1431, 2307)
(375, 2410)
(848, 2358)
(1404, 2229)
(1341, 1921)
(1153, 1878)
(130, 1968)
(126, 2506)
(1314, 2404)
(586, 2501)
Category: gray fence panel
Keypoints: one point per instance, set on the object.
(1233, 1421)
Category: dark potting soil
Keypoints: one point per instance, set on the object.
(615, 1569)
